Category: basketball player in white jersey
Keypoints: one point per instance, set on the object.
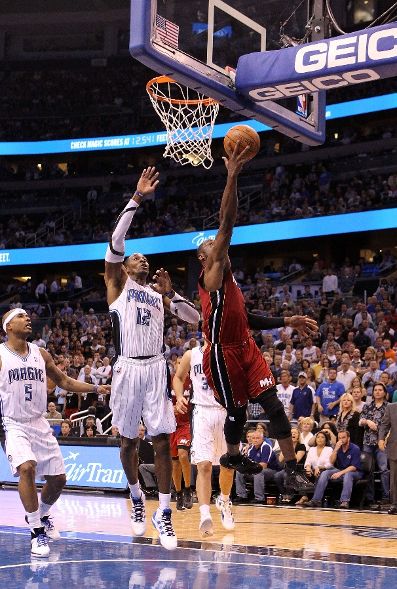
(140, 386)
(208, 442)
(31, 448)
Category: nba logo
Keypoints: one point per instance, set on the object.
(302, 105)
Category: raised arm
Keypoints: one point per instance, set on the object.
(218, 260)
(115, 273)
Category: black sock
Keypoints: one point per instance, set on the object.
(290, 465)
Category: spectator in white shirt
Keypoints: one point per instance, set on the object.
(102, 372)
(77, 282)
(310, 352)
(345, 374)
(330, 282)
(285, 390)
(41, 291)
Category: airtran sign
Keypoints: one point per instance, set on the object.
(96, 467)
(355, 58)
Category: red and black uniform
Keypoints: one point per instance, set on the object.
(232, 363)
(181, 438)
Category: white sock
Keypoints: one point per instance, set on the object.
(164, 501)
(34, 520)
(225, 498)
(135, 490)
(205, 511)
(44, 508)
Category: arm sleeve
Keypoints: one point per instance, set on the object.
(116, 248)
(184, 309)
(260, 322)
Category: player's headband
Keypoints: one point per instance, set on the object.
(11, 316)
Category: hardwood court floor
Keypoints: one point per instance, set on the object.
(282, 528)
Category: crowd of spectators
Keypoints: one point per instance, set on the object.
(286, 194)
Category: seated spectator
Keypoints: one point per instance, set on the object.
(261, 452)
(114, 432)
(305, 425)
(91, 420)
(66, 429)
(330, 428)
(346, 467)
(348, 419)
(90, 431)
(317, 459)
(52, 412)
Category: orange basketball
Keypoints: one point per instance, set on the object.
(246, 135)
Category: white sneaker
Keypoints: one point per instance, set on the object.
(138, 516)
(40, 546)
(225, 507)
(206, 526)
(163, 524)
(49, 527)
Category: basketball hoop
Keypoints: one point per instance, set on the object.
(189, 119)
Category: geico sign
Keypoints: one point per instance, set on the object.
(344, 51)
(313, 85)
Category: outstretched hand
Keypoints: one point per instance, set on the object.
(104, 389)
(305, 326)
(148, 181)
(235, 162)
(161, 282)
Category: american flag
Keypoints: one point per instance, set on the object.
(167, 31)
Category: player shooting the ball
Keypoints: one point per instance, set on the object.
(232, 362)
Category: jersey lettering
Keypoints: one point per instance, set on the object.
(28, 373)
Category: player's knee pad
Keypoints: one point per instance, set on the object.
(279, 427)
(234, 425)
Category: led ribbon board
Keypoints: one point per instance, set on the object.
(248, 234)
(355, 58)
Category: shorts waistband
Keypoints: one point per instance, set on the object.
(141, 360)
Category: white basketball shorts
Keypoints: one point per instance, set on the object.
(140, 391)
(33, 440)
(208, 443)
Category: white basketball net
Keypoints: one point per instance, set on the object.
(189, 119)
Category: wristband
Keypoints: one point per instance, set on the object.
(137, 193)
(170, 294)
